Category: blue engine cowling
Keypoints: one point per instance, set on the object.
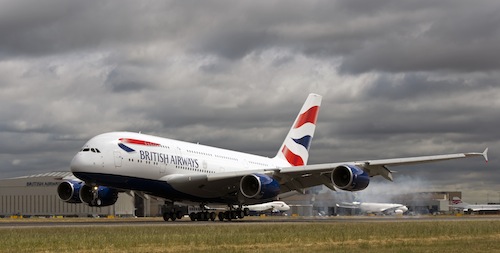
(350, 178)
(98, 195)
(69, 191)
(259, 186)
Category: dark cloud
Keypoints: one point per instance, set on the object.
(122, 80)
(448, 37)
(390, 36)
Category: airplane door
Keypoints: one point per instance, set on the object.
(179, 151)
(118, 158)
(244, 162)
(163, 168)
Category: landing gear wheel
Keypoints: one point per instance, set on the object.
(221, 216)
(240, 213)
(178, 215)
(192, 216)
(212, 216)
(166, 216)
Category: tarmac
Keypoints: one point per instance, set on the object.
(95, 222)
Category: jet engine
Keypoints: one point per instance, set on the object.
(69, 191)
(350, 178)
(98, 195)
(259, 186)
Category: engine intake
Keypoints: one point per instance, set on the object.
(259, 186)
(69, 191)
(98, 195)
(350, 178)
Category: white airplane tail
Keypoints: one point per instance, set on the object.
(295, 148)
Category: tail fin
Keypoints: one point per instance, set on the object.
(456, 201)
(295, 148)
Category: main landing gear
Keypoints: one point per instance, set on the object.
(172, 212)
(206, 215)
(234, 214)
(202, 216)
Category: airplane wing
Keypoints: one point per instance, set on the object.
(298, 178)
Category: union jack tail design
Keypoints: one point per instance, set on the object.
(295, 148)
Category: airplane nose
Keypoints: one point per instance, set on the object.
(79, 163)
(75, 163)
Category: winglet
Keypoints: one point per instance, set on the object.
(485, 155)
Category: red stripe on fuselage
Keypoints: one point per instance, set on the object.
(138, 142)
(309, 116)
(292, 158)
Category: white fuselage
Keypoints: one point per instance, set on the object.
(381, 207)
(477, 208)
(275, 206)
(367, 207)
(116, 158)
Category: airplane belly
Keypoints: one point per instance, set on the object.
(152, 187)
(220, 189)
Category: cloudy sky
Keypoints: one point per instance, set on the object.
(398, 78)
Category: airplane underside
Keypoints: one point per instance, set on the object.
(163, 190)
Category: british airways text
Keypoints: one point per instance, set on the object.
(165, 158)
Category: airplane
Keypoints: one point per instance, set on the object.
(179, 171)
(274, 206)
(375, 208)
(457, 203)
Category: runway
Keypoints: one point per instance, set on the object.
(121, 222)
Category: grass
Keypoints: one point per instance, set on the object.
(428, 236)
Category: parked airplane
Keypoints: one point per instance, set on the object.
(469, 208)
(271, 207)
(184, 172)
(274, 206)
(375, 208)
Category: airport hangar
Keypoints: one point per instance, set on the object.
(36, 195)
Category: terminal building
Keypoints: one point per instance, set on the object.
(36, 195)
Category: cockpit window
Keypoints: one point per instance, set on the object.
(93, 150)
